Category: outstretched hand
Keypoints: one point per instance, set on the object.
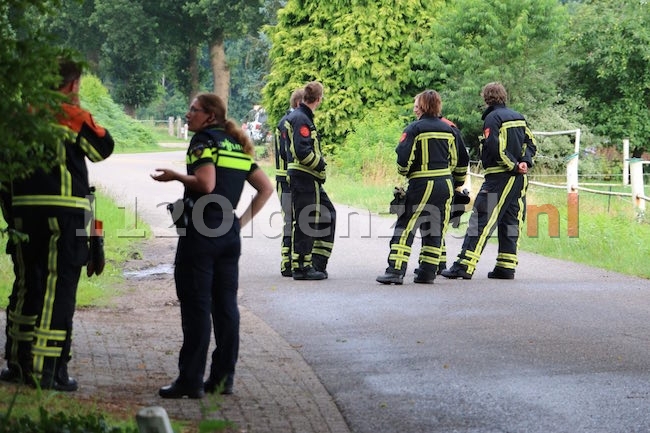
(164, 175)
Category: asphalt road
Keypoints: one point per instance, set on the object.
(562, 348)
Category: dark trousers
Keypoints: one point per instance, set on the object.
(47, 267)
(500, 205)
(314, 223)
(207, 275)
(284, 194)
(428, 203)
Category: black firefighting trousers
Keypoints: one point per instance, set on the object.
(501, 205)
(41, 306)
(427, 208)
(314, 223)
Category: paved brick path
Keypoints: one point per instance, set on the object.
(124, 352)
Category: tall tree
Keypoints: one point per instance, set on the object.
(181, 39)
(223, 19)
(357, 48)
(28, 73)
(475, 42)
(610, 67)
(73, 29)
(129, 52)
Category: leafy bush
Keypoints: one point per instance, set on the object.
(129, 135)
(553, 151)
(368, 152)
(59, 423)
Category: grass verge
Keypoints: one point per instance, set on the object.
(610, 235)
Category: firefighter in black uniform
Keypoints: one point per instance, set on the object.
(219, 161)
(432, 156)
(51, 208)
(507, 152)
(282, 185)
(314, 213)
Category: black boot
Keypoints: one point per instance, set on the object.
(59, 381)
(457, 271)
(176, 390)
(391, 276)
(223, 386)
(424, 276)
(308, 273)
(11, 374)
(500, 273)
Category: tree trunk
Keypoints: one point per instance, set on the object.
(193, 71)
(220, 71)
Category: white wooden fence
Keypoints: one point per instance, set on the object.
(632, 174)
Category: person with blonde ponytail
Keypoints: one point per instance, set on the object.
(219, 161)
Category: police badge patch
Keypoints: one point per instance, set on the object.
(198, 150)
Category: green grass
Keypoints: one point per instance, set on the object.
(96, 290)
(610, 233)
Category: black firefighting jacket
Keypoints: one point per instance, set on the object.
(430, 147)
(65, 188)
(304, 154)
(507, 141)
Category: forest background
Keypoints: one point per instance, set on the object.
(566, 65)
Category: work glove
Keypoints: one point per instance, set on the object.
(461, 198)
(399, 201)
(96, 257)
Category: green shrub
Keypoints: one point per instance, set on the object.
(59, 423)
(129, 135)
(368, 153)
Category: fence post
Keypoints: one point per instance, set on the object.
(170, 125)
(153, 419)
(636, 178)
(179, 131)
(626, 161)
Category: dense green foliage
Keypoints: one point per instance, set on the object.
(368, 153)
(29, 70)
(249, 59)
(531, 46)
(59, 423)
(130, 65)
(474, 42)
(357, 49)
(128, 134)
(609, 66)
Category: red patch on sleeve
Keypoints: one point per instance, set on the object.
(486, 132)
(304, 131)
(403, 137)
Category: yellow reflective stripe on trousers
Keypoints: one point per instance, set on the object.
(21, 294)
(492, 221)
(421, 206)
(41, 348)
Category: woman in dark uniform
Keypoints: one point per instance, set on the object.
(219, 162)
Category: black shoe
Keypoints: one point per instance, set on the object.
(456, 271)
(177, 391)
(225, 387)
(65, 385)
(11, 374)
(501, 274)
(323, 271)
(424, 277)
(441, 267)
(391, 278)
(308, 274)
(286, 273)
